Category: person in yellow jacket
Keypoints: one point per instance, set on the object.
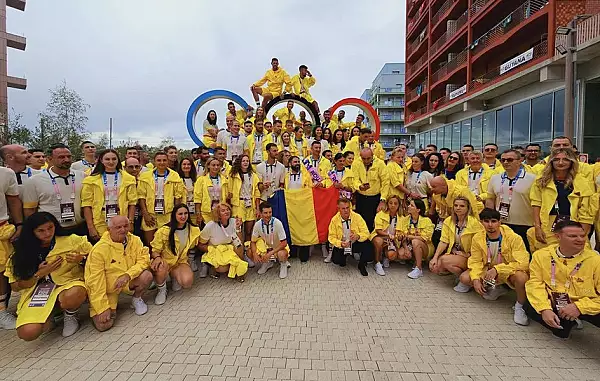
(314, 158)
(375, 146)
(109, 191)
(158, 192)
(297, 177)
(384, 236)
(397, 174)
(490, 150)
(341, 177)
(596, 175)
(254, 143)
(349, 234)
(46, 259)
(273, 137)
(209, 191)
(475, 177)
(560, 192)
(564, 142)
(454, 248)
(444, 193)
(328, 121)
(119, 262)
(243, 195)
(356, 143)
(375, 185)
(415, 231)
(301, 143)
(498, 257)
(285, 144)
(220, 154)
(170, 249)
(284, 114)
(300, 85)
(275, 78)
(564, 283)
(239, 115)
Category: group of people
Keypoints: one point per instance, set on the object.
(96, 228)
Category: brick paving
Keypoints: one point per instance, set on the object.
(322, 323)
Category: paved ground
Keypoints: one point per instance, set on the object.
(322, 323)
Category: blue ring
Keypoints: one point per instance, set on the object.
(200, 101)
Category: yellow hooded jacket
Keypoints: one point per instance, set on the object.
(348, 179)
(284, 115)
(424, 229)
(173, 189)
(305, 151)
(274, 80)
(514, 255)
(107, 261)
(160, 245)
(585, 284)
(397, 176)
(92, 195)
(240, 116)
(234, 186)
(376, 176)
(202, 195)
(449, 232)
(444, 205)
(358, 226)
(296, 84)
(251, 144)
(382, 222)
(462, 178)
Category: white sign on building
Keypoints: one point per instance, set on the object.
(517, 61)
(458, 92)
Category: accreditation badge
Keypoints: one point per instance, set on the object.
(112, 210)
(67, 212)
(560, 300)
(504, 209)
(41, 294)
(159, 206)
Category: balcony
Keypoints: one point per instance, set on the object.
(412, 6)
(417, 113)
(417, 45)
(449, 68)
(16, 83)
(16, 42)
(16, 4)
(416, 67)
(587, 29)
(391, 118)
(449, 36)
(417, 92)
(478, 6)
(417, 20)
(392, 131)
(390, 90)
(389, 104)
(442, 13)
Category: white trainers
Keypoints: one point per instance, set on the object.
(251, 263)
(416, 273)
(265, 267)
(324, 250)
(70, 324)
(283, 270)
(161, 296)
(140, 306)
(579, 324)
(495, 293)
(379, 269)
(175, 286)
(386, 263)
(192, 262)
(328, 259)
(7, 320)
(462, 288)
(203, 270)
(520, 316)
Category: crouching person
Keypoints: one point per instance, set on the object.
(498, 258)
(46, 269)
(269, 242)
(119, 262)
(170, 249)
(565, 282)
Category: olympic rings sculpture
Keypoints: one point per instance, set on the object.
(366, 109)
(316, 121)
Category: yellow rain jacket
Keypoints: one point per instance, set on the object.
(377, 149)
(6, 247)
(348, 179)
(274, 80)
(357, 226)
(240, 116)
(424, 229)
(397, 176)
(354, 145)
(514, 255)
(444, 205)
(160, 245)
(202, 196)
(251, 144)
(107, 261)
(293, 146)
(234, 186)
(382, 222)
(284, 115)
(92, 195)
(173, 189)
(584, 287)
(376, 176)
(449, 232)
(462, 178)
(301, 86)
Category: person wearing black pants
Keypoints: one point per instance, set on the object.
(374, 184)
(367, 206)
(365, 249)
(567, 325)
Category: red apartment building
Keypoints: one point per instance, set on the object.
(481, 71)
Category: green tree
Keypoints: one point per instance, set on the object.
(17, 132)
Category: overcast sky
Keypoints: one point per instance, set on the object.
(142, 62)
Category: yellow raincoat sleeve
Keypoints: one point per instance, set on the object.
(335, 232)
(426, 228)
(382, 221)
(87, 193)
(587, 209)
(535, 194)
(447, 233)
(198, 190)
(587, 305)
(396, 177)
(95, 280)
(537, 294)
(160, 241)
(385, 181)
(262, 81)
(142, 263)
(132, 195)
(520, 257)
(478, 256)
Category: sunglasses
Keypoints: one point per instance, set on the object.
(507, 160)
(490, 150)
(452, 158)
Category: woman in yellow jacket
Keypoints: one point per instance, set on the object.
(300, 142)
(454, 249)
(384, 236)
(209, 191)
(109, 191)
(46, 261)
(285, 144)
(475, 177)
(397, 175)
(415, 231)
(243, 194)
(341, 177)
(560, 193)
(170, 249)
(158, 192)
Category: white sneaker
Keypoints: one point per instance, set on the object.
(140, 306)
(7, 320)
(175, 286)
(416, 273)
(520, 316)
(379, 269)
(579, 324)
(251, 263)
(265, 267)
(70, 324)
(328, 259)
(495, 293)
(356, 256)
(325, 251)
(462, 288)
(161, 296)
(283, 270)
(203, 270)
(192, 262)
(386, 263)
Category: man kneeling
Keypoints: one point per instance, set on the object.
(269, 242)
(119, 262)
(498, 257)
(564, 284)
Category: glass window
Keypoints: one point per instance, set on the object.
(465, 132)
(447, 137)
(541, 118)
(434, 137)
(503, 127)
(520, 123)
(476, 132)
(559, 113)
(456, 137)
(427, 139)
(489, 127)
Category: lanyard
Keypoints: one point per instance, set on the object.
(156, 192)
(414, 224)
(237, 139)
(315, 163)
(392, 226)
(489, 251)
(258, 138)
(57, 189)
(418, 177)
(268, 235)
(28, 172)
(115, 185)
(476, 174)
(571, 275)
(223, 228)
(215, 180)
(87, 163)
(511, 184)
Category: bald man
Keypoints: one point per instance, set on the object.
(373, 181)
(15, 157)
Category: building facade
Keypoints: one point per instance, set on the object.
(483, 71)
(386, 95)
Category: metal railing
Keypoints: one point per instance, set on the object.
(587, 30)
(389, 104)
(460, 22)
(441, 12)
(416, 19)
(478, 6)
(417, 113)
(414, 4)
(415, 44)
(515, 18)
(459, 60)
(417, 66)
(417, 91)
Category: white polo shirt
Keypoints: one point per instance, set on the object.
(521, 211)
(40, 194)
(23, 177)
(215, 234)
(82, 165)
(274, 173)
(234, 145)
(8, 187)
(272, 233)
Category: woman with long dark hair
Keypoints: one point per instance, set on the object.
(354, 132)
(317, 136)
(187, 172)
(454, 163)
(210, 129)
(416, 230)
(46, 269)
(337, 142)
(327, 135)
(417, 180)
(243, 195)
(170, 248)
(107, 192)
(434, 164)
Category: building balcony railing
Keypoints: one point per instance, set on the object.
(391, 117)
(478, 6)
(442, 12)
(416, 43)
(417, 66)
(415, 93)
(412, 6)
(587, 30)
(450, 32)
(393, 131)
(417, 113)
(459, 60)
(388, 90)
(416, 20)
(515, 18)
(389, 104)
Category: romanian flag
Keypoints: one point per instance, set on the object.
(305, 213)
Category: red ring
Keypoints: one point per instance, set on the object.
(364, 106)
